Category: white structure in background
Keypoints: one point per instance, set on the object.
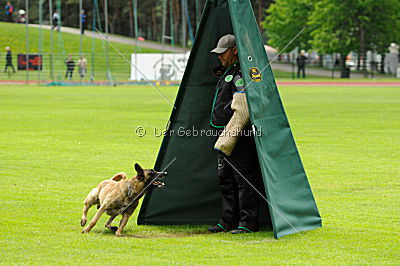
(271, 52)
(392, 59)
(155, 67)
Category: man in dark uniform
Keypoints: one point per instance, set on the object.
(237, 156)
(70, 63)
(9, 60)
(301, 64)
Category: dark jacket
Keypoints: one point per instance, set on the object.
(230, 82)
(70, 64)
(301, 60)
(8, 57)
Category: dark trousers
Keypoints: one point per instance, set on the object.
(239, 198)
(301, 68)
(9, 65)
(69, 72)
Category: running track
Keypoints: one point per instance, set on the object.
(279, 83)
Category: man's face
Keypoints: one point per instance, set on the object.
(228, 57)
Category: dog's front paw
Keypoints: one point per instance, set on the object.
(118, 234)
(83, 222)
(85, 231)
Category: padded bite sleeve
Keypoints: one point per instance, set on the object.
(231, 133)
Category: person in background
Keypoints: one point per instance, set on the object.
(9, 12)
(70, 63)
(9, 60)
(56, 19)
(82, 63)
(21, 16)
(83, 19)
(301, 64)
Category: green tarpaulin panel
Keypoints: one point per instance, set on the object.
(192, 195)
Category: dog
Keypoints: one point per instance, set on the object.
(119, 195)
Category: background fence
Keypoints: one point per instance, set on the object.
(99, 68)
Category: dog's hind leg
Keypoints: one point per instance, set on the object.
(91, 199)
(108, 224)
(122, 224)
(94, 220)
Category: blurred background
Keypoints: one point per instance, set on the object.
(64, 41)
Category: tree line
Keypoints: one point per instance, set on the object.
(334, 26)
(150, 15)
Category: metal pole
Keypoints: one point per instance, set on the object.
(80, 37)
(80, 26)
(60, 41)
(163, 36)
(40, 37)
(183, 23)
(107, 45)
(171, 22)
(93, 29)
(27, 40)
(136, 33)
(51, 39)
(189, 25)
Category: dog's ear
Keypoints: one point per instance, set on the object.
(139, 170)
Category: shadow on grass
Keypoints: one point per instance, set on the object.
(167, 235)
(183, 231)
(147, 231)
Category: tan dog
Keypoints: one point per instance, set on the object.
(119, 195)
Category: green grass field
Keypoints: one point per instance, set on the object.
(56, 143)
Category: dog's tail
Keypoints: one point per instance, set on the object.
(118, 177)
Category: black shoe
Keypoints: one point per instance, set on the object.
(241, 230)
(216, 229)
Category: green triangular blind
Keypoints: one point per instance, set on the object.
(192, 195)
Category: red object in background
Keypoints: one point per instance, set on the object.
(140, 38)
(35, 62)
